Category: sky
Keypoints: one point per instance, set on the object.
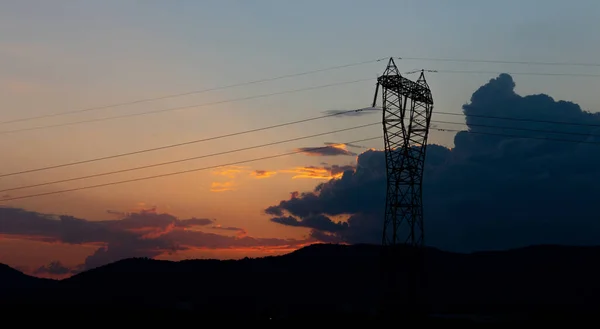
(70, 55)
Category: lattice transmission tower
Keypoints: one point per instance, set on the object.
(407, 107)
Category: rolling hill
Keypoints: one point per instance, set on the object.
(325, 282)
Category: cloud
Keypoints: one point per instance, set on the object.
(143, 234)
(318, 222)
(240, 232)
(194, 222)
(263, 173)
(117, 213)
(229, 171)
(54, 268)
(355, 113)
(488, 192)
(344, 145)
(329, 150)
(222, 187)
(313, 172)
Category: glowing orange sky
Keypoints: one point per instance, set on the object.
(234, 195)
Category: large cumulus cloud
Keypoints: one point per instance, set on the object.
(142, 234)
(489, 191)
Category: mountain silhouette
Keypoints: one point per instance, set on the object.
(324, 281)
(14, 281)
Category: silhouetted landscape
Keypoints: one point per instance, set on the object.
(412, 164)
(323, 282)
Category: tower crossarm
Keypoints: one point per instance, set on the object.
(406, 88)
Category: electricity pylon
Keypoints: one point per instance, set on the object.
(407, 107)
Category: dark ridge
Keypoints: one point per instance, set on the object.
(327, 282)
(14, 281)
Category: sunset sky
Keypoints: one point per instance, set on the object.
(58, 56)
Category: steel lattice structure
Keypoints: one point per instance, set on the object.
(407, 108)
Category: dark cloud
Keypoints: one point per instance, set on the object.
(339, 169)
(227, 228)
(54, 268)
(118, 214)
(328, 150)
(318, 222)
(355, 113)
(194, 222)
(239, 231)
(263, 173)
(143, 234)
(487, 192)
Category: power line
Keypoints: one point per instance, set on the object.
(291, 76)
(521, 73)
(500, 61)
(184, 107)
(281, 155)
(517, 128)
(286, 141)
(178, 144)
(523, 119)
(282, 125)
(517, 136)
(275, 94)
(519, 119)
(181, 172)
(189, 159)
(192, 92)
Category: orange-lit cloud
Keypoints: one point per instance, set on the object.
(230, 171)
(313, 172)
(263, 173)
(144, 234)
(309, 172)
(346, 145)
(222, 187)
(154, 232)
